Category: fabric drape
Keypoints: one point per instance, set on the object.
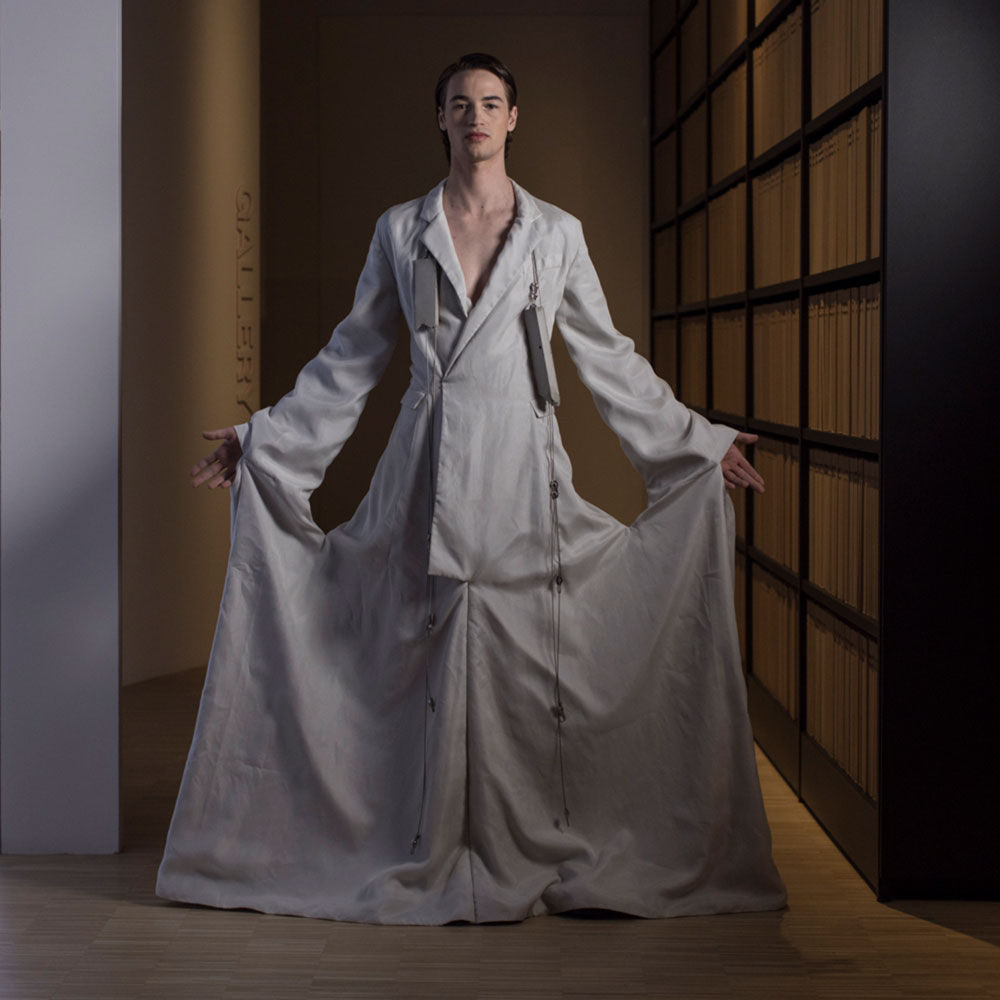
(379, 736)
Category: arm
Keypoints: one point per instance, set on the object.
(298, 437)
(665, 441)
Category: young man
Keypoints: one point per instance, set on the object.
(482, 698)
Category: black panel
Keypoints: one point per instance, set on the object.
(940, 682)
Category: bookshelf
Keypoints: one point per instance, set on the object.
(778, 185)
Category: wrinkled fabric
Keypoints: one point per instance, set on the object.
(378, 738)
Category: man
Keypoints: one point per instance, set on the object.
(481, 698)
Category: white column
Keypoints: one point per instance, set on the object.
(60, 286)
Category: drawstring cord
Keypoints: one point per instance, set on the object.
(555, 553)
(558, 711)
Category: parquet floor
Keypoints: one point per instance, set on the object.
(90, 928)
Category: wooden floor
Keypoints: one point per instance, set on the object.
(90, 926)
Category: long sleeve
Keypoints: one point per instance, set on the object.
(297, 438)
(665, 441)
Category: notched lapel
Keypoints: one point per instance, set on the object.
(437, 238)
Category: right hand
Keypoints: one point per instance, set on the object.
(219, 468)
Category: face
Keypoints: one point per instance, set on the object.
(476, 115)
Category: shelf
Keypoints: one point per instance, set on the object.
(692, 308)
(843, 442)
(771, 20)
(772, 566)
(781, 290)
(846, 613)
(775, 730)
(730, 180)
(730, 419)
(839, 277)
(782, 431)
(931, 830)
(843, 810)
(845, 108)
(737, 56)
(792, 143)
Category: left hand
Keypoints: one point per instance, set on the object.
(736, 470)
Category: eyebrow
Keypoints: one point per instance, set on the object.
(463, 97)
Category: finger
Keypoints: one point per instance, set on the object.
(216, 435)
(745, 437)
(745, 467)
(218, 480)
(207, 474)
(203, 462)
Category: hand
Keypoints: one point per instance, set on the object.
(219, 468)
(736, 470)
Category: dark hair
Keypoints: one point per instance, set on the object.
(475, 60)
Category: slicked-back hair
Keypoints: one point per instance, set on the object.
(475, 60)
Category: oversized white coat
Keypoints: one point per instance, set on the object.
(382, 736)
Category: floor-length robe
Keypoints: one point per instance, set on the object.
(381, 735)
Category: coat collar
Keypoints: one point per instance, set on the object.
(522, 238)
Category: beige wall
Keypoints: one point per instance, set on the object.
(190, 138)
(369, 140)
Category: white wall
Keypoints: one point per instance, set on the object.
(60, 263)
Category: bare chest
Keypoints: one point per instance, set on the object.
(478, 242)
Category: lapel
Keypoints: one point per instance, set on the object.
(522, 238)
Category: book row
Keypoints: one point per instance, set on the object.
(846, 38)
(729, 361)
(777, 83)
(776, 511)
(694, 235)
(664, 344)
(665, 176)
(845, 48)
(844, 361)
(727, 29)
(694, 44)
(729, 124)
(694, 356)
(844, 220)
(762, 8)
(694, 152)
(727, 242)
(776, 362)
(843, 528)
(845, 172)
(775, 638)
(842, 695)
(777, 223)
(664, 96)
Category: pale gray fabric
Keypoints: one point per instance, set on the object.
(303, 788)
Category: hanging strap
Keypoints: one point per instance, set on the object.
(556, 587)
(548, 389)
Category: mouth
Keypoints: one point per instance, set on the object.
(477, 136)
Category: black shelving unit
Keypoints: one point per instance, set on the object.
(908, 835)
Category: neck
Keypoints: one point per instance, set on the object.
(478, 188)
